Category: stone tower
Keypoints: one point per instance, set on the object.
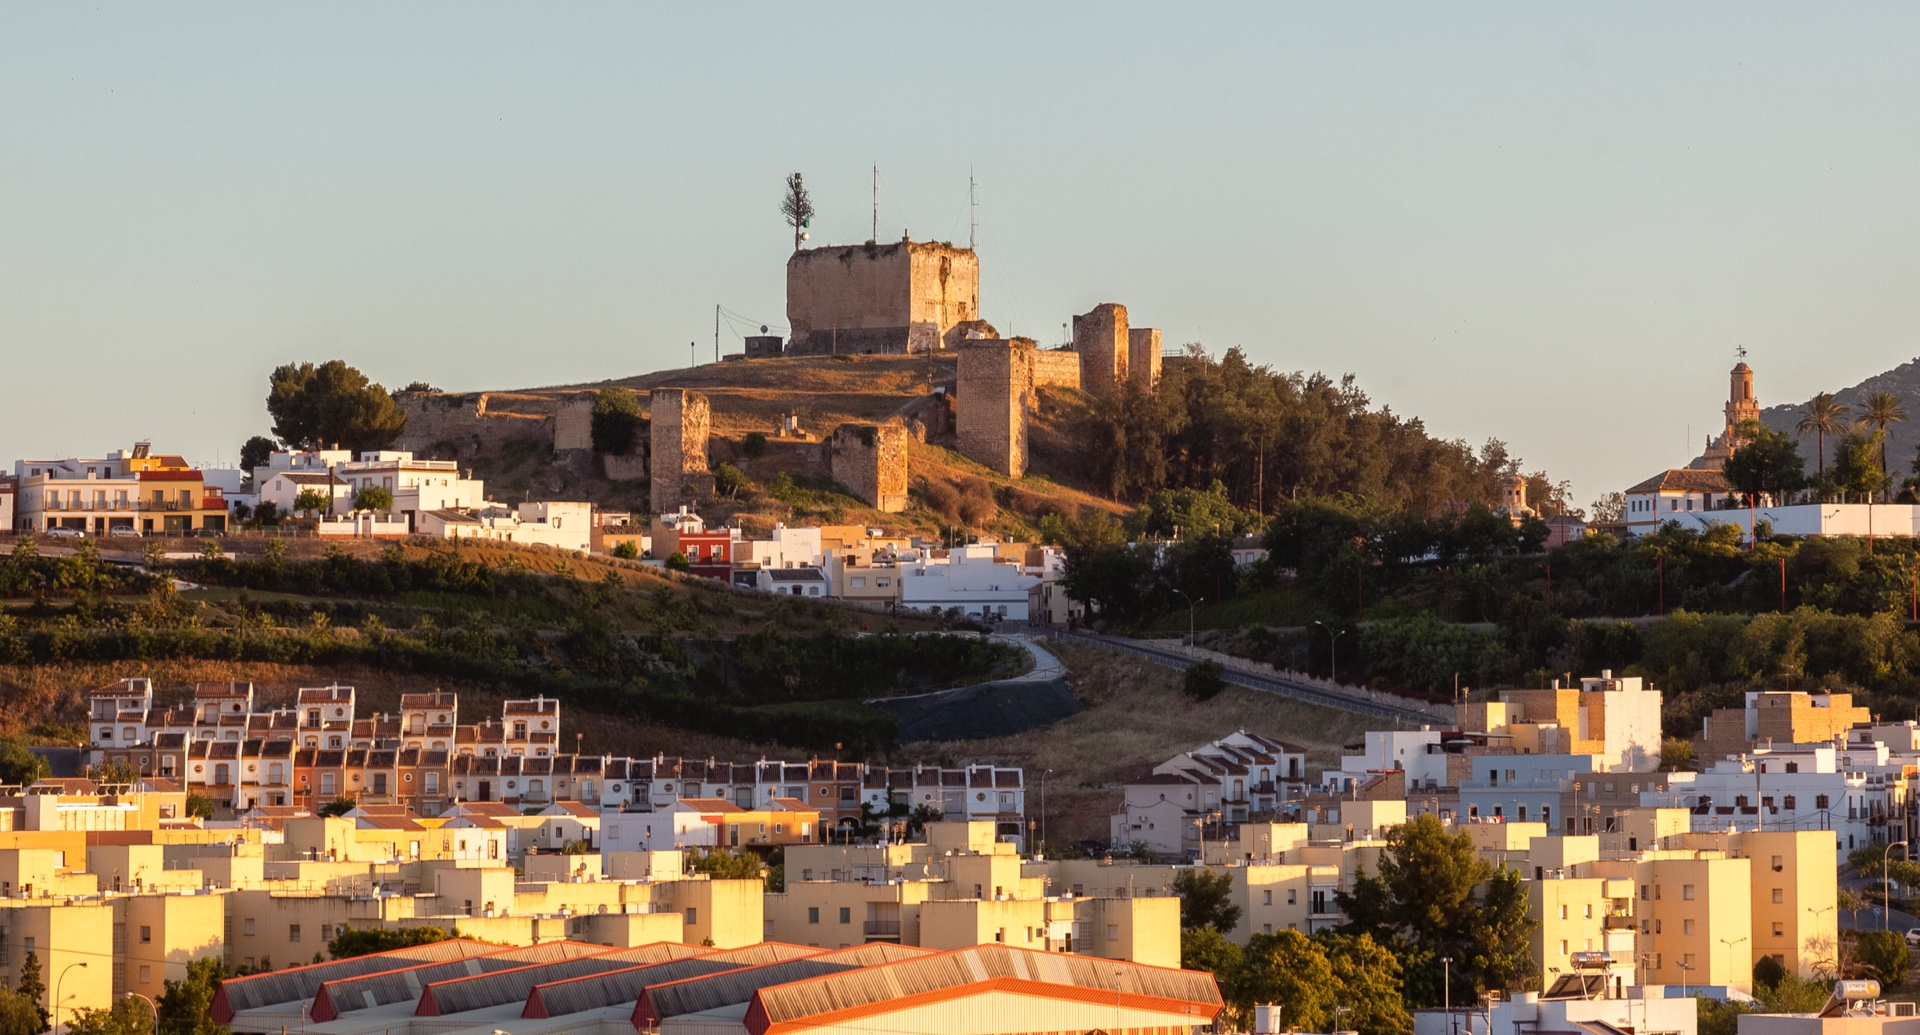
(1143, 357)
(993, 393)
(678, 448)
(908, 296)
(1101, 339)
(870, 461)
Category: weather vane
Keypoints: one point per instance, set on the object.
(1741, 350)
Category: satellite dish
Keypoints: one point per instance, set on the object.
(763, 328)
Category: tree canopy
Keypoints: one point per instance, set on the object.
(1435, 896)
(331, 405)
(19, 766)
(616, 417)
(256, 452)
(359, 941)
(721, 864)
(1206, 900)
(1767, 464)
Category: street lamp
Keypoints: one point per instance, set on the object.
(56, 992)
(1886, 883)
(1190, 605)
(1446, 989)
(1333, 664)
(1685, 967)
(1729, 943)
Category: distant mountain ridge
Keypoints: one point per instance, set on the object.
(1903, 440)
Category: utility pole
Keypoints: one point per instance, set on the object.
(876, 207)
(716, 332)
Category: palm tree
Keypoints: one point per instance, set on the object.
(1884, 408)
(1822, 414)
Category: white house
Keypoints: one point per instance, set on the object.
(282, 488)
(1418, 753)
(567, 526)
(1806, 519)
(1801, 787)
(789, 548)
(564, 822)
(686, 823)
(798, 582)
(1669, 495)
(970, 579)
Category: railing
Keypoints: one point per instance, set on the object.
(1619, 923)
(882, 927)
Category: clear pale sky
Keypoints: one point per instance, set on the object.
(1546, 223)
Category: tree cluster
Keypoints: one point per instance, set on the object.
(1269, 436)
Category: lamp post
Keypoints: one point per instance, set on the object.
(1446, 989)
(1333, 663)
(1729, 943)
(56, 992)
(1886, 882)
(1190, 606)
(1685, 967)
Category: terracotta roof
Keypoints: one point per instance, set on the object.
(1684, 480)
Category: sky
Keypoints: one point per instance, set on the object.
(1547, 224)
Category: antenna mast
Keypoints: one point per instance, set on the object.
(876, 203)
(973, 211)
(716, 332)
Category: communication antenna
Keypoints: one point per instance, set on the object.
(876, 204)
(973, 210)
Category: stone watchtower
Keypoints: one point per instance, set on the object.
(1101, 339)
(677, 460)
(880, 298)
(870, 461)
(993, 393)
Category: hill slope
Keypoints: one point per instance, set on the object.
(1903, 440)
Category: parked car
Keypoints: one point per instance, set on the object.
(123, 532)
(65, 533)
(207, 533)
(1913, 936)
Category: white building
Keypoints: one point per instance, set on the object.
(797, 582)
(970, 579)
(1802, 519)
(1674, 495)
(566, 526)
(283, 488)
(789, 548)
(1801, 787)
(1418, 753)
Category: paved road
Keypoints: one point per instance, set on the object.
(1869, 920)
(1358, 701)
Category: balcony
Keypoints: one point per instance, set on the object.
(1619, 923)
(883, 928)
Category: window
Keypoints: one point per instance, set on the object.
(693, 916)
(1820, 801)
(1563, 912)
(1266, 898)
(1686, 927)
(433, 783)
(246, 927)
(293, 932)
(146, 935)
(146, 975)
(1113, 932)
(326, 932)
(1779, 896)
(1779, 929)
(813, 912)
(846, 914)
(1686, 892)
(1290, 896)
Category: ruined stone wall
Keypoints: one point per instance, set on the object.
(677, 445)
(993, 395)
(879, 298)
(1143, 357)
(1056, 367)
(870, 462)
(461, 426)
(1100, 337)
